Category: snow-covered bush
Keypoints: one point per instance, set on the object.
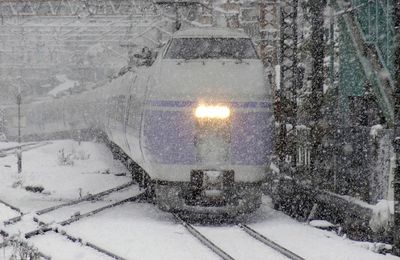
(23, 251)
(35, 189)
(81, 155)
(65, 159)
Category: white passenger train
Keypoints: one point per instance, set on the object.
(199, 121)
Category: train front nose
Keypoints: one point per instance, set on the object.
(212, 137)
(211, 180)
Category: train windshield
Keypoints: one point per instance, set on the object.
(211, 48)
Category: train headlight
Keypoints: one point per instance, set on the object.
(216, 112)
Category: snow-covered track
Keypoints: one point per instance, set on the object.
(289, 254)
(16, 147)
(70, 203)
(85, 198)
(11, 206)
(26, 147)
(88, 244)
(47, 226)
(204, 240)
(14, 208)
(238, 242)
(141, 196)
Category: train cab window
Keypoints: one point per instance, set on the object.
(211, 48)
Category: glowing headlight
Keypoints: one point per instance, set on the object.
(219, 112)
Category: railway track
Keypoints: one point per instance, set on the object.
(223, 254)
(48, 222)
(16, 147)
(93, 205)
(11, 206)
(56, 227)
(289, 254)
(46, 227)
(204, 240)
(25, 147)
(70, 203)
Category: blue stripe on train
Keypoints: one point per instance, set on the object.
(169, 137)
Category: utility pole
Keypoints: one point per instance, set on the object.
(332, 44)
(19, 151)
(396, 142)
(317, 81)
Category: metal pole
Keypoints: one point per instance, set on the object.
(317, 82)
(396, 143)
(287, 110)
(19, 151)
(332, 44)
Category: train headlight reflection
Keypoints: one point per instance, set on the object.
(217, 112)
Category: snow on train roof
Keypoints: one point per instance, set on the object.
(210, 32)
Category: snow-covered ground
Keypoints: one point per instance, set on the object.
(92, 171)
(133, 230)
(308, 241)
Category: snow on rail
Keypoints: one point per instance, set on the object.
(208, 243)
(47, 227)
(11, 206)
(89, 244)
(24, 148)
(85, 198)
(270, 243)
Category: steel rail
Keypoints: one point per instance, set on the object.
(204, 240)
(14, 219)
(88, 244)
(24, 148)
(85, 198)
(11, 206)
(16, 147)
(289, 254)
(93, 212)
(46, 227)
